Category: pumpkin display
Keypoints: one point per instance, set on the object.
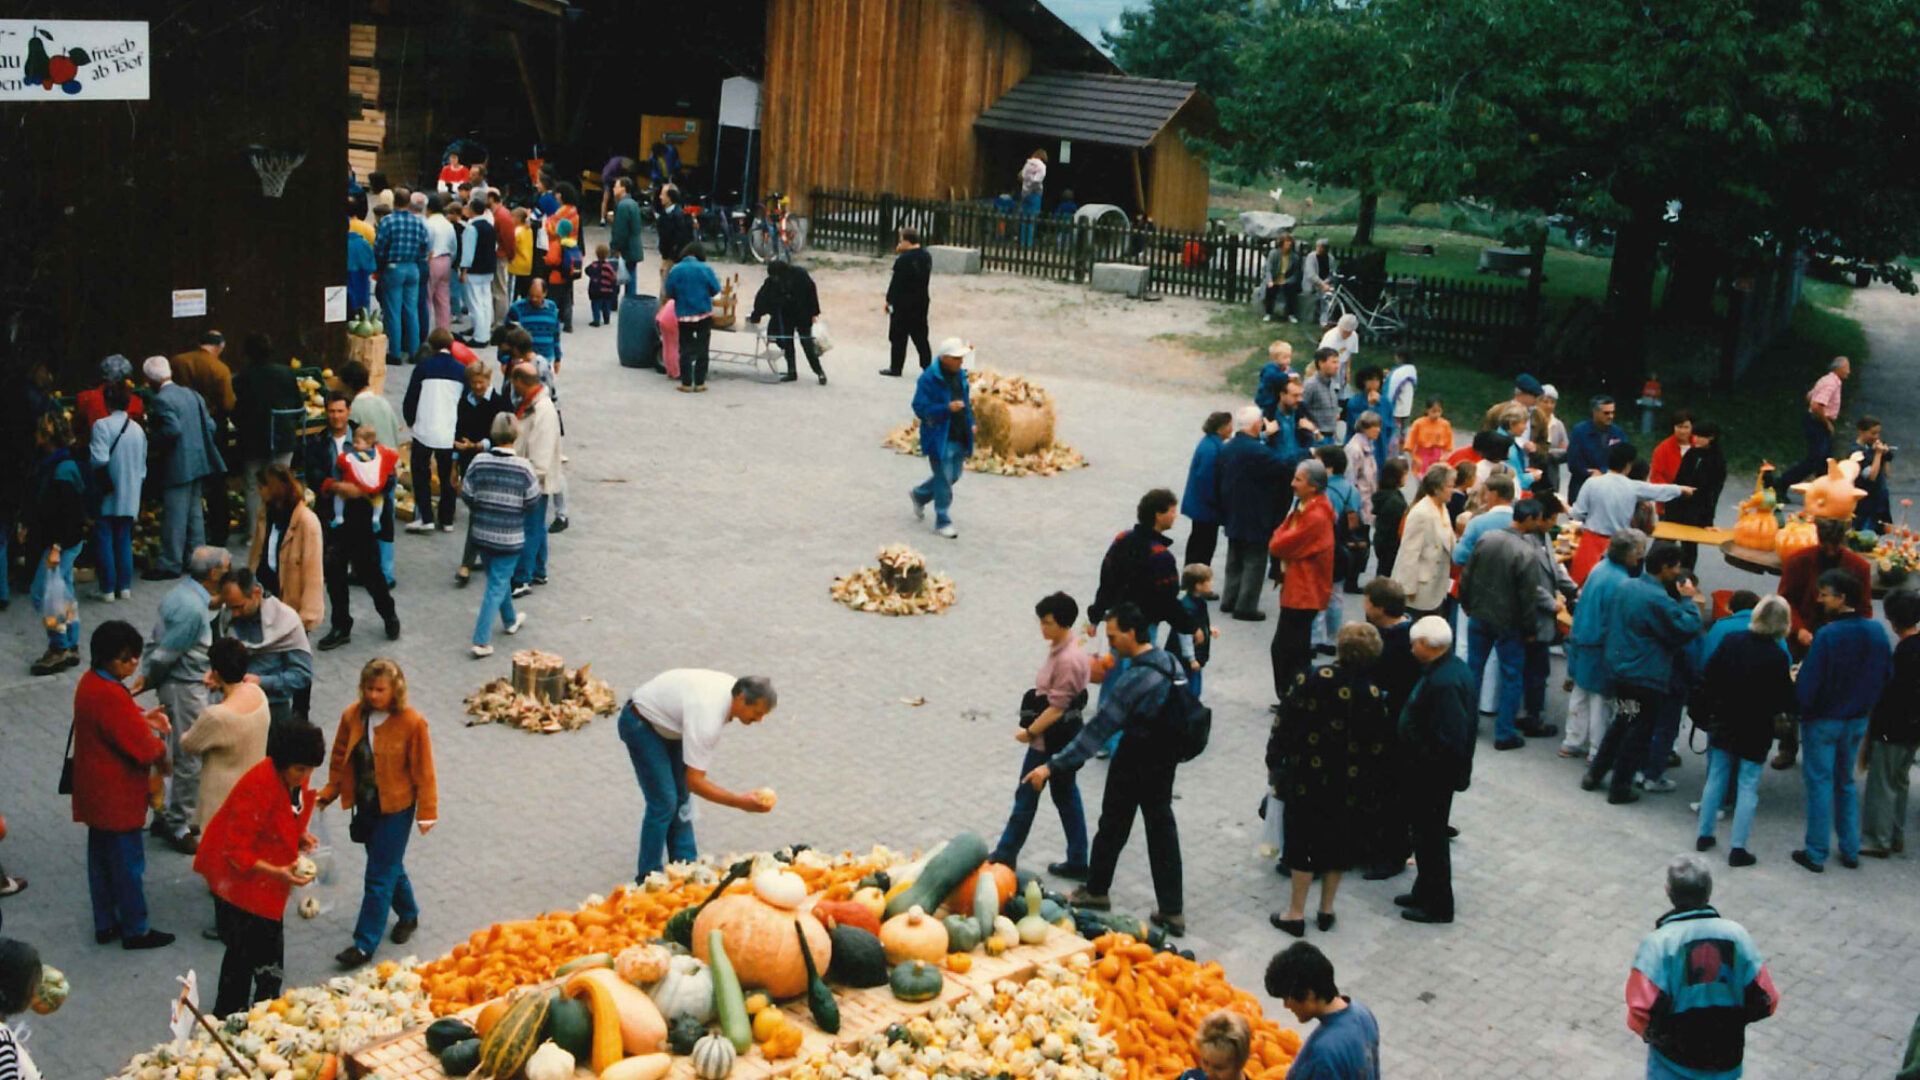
(859, 960)
(1832, 494)
(461, 1058)
(683, 1032)
(550, 1062)
(1794, 538)
(781, 888)
(728, 1003)
(446, 1031)
(1758, 523)
(679, 928)
(686, 991)
(961, 900)
(913, 935)
(52, 991)
(874, 899)
(638, 1067)
(760, 942)
(569, 1025)
(624, 1019)
(713, 1058)
(916, 980)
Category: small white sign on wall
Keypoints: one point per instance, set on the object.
(1066, 151)
(336, 303)
(73, 60)
(189, 303)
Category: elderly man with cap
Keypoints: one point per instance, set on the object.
(186, 452)
(945, 410)
(1344, 340)
(1316, 278)
(1526, 394)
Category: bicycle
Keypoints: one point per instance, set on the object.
(1401, 305)
(774, 233)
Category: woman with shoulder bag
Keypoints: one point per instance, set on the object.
(117, 451)
(1748, 684)
(1050, 717)
(382, 770)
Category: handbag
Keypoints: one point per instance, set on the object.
(66, 767)
(101, 479)
(1063, 730)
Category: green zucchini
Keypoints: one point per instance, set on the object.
(943, 873)
(728, 1000)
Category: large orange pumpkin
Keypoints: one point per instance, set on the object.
(1756, 530)
(960, 900)
(1795, 538)
(761, 943)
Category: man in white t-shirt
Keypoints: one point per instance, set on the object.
(672, 727)
(1344, 338)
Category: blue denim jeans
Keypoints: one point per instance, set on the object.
(1721, 767)
(499, 594)
(1029, 210)
(387, 887)
(1828, 749)
(533, 551)
(400, 295)
(666, 827)
(1483, 641)
(69, 636)
(115, 863)
(938, 488)
(1666, 728)
(113, 551)
(1065, 789)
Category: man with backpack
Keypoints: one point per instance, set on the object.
(1161, 724)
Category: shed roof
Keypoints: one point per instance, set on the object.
(1111, 110)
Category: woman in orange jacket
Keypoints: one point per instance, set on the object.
(250, 855)
(382, 770)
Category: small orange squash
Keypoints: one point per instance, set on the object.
(960, 963)
(1795, 538)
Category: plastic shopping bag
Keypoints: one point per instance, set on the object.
(822, 339)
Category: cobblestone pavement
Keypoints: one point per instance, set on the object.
(706, 530)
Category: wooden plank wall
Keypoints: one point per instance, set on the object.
(881, 95)
(1176, 182)
(112, 205)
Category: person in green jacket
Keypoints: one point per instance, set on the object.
(625, 241)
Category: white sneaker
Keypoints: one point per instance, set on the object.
(1660, 786)
(481, 652)
(519, 620)
(105, 597)
(446, 528)
(919, 508)
(124, 594)
(948, 531)
(418, 526)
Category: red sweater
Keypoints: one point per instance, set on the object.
(256, 824)
(1800, 586)
(1305, 542)
(113, 752)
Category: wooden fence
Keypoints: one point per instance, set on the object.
(1445, 315)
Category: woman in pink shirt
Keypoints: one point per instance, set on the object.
(1049, 719)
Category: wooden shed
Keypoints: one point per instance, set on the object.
(125, 217)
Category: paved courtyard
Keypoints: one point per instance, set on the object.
(706, 531)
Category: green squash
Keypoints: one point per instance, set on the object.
(684, 1033)
(942, 874)
(963, 933)
(858, 958)
(986, 904)
(728, 1000)
(446, 1031)
(570, 1026)
(916, 980)
(879, 879)
(461, 1058)
(826, 1011)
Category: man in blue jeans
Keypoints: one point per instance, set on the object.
(1050, 718)
(1847, 666)
(399, 250)
(672, 728)
(941, 401)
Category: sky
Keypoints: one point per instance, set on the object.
(1090, 16)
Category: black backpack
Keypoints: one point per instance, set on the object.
(1184, 721)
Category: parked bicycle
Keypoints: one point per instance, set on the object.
(1400, 306)
(774, 231)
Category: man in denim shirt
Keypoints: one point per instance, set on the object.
(944, 406)
(1141, 775)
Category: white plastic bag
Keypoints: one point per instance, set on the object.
(822, 339)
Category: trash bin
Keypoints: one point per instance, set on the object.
(639, 336)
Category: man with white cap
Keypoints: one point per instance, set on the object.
(1344, 339)
(942, 403)
(185, 453)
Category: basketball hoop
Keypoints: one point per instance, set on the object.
(274, 166)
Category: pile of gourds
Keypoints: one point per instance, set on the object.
(1057, 458)
(873, 588)
(1152, 1002)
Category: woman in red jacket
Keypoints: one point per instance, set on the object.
(116, 744)
(250, 854)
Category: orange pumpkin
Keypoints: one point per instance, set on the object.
(960, 900)
(1795, 538)
(761, 944)
(1756, 530)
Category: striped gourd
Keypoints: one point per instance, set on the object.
(511, 1041)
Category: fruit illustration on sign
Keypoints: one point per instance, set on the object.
(50, 70)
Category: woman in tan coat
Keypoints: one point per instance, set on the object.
(1424, 567)
(285, 556)
(231, 735)
(382, 770)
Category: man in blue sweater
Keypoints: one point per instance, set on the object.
(1846, 668)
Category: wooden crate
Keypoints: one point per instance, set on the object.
(371, 351)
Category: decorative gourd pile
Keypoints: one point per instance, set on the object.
(1014, 422)
(299, 1035)
(313, 387)
(900, 585)
(585, 697)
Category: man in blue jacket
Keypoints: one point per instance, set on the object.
(1197, 502)
(945, 409)
(1654, 618)
(1587, 445)
(1589, 701)
(1847, 666)
(1250, 480)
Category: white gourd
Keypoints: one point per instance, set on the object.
(550, 1062)
(712, 1057)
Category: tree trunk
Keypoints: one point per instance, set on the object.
(1636, 253)
(1363, 225)
(1691, 281)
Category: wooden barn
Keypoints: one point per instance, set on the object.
(137, 223)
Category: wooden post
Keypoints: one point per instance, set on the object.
(1139, 186)
(212, 1032)
(1536, 274)
(526, 83)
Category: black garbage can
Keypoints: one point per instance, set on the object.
(639, 335)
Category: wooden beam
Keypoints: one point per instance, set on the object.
(1139, 187)
(526, 83)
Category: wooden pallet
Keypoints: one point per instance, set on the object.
(862, 1013)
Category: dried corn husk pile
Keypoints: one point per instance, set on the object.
(499, 703)
(1013, 429)
(869, 588)
(1054, 459)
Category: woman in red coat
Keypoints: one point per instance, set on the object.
(116, 744)
(250, 854)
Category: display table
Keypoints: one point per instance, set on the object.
(1693, 534)
(1755, 561)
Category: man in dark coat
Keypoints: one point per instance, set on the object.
(625, 239)
(1250, 479)
(907, 302)
(266, 386)
(1436, 747)
(791, 303)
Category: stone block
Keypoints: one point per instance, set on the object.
(954, 260)
(1120, 278)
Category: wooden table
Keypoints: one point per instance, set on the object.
(1755, 561)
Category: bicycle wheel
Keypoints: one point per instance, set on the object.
(760, 243)
(796, 238)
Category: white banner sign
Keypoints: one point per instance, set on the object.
(73, 60)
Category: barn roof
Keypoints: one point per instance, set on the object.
(1056, 44)
(1111, 110)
